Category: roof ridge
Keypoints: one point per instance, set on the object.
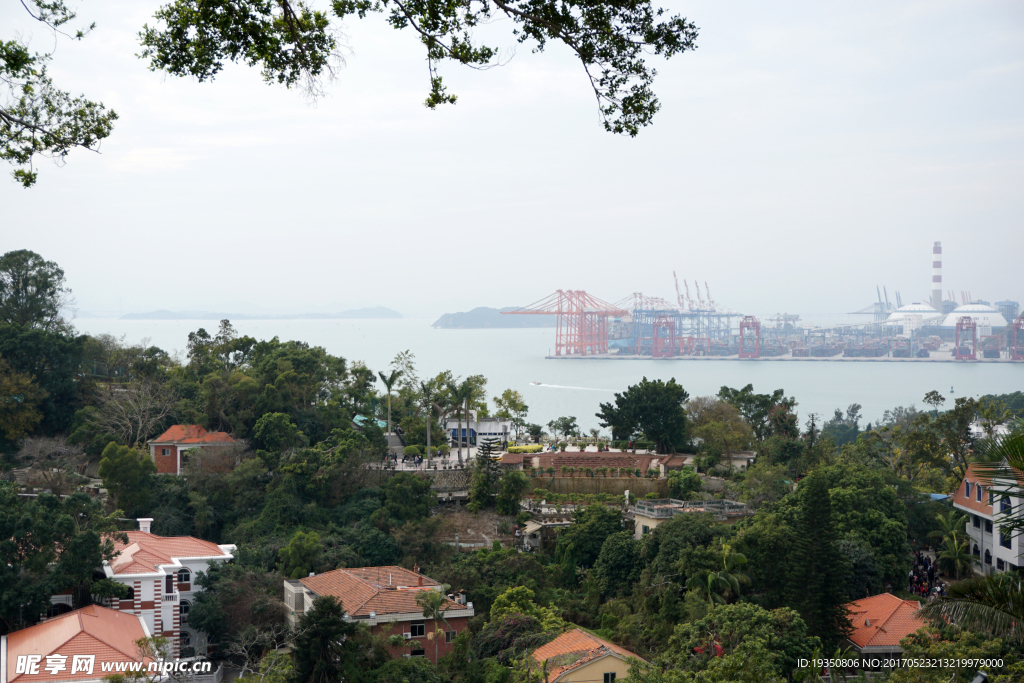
(111, 646)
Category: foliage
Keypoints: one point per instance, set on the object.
(531, 448)
(300, 555)
(297, 45)
(127, 474)
(326, 647)
(956, 648)
(580, 544)
(618, 564)
(756, 409)
(510, 491)
(237, 598)
(993, 605)
(19, 407)
(564, 426)
(652, 408)
(814, 590)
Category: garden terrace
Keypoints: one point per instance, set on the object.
(667, 507)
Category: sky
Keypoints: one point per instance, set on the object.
(805, 153)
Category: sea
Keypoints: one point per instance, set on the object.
(552, 388)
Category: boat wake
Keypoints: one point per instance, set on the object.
(559, 386)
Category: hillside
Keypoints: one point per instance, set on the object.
(483, 317)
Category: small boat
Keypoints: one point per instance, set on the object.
(535, 383)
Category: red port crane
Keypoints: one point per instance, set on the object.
(582, 324)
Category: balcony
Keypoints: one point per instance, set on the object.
(171, 597)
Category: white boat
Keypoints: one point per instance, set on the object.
(535, 383)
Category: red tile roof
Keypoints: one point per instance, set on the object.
(144, 552)
(108, 634)
(192, 434)
(575, 648)
(883, 620)
(382, 590)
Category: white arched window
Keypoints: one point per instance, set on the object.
(183, 609)
(184, 575)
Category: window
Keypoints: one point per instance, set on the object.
(988, 557)
(186, 640)
(1000, 565)
(988, 526)
(646, 529)
(991, 497)
(184, 575)
(449, 636)
(417, 653)
(418, 629)
(976, 552)
(609, 677)
(165, 451)
(978, 497)
(1004, 539)
(967, 489)
(170, 584)
(1004, 504)
(977, 521)
(183, 607)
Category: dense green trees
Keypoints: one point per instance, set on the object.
(655, 409)
(128, 474)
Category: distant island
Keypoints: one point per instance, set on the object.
(484, 317)
(377, 312)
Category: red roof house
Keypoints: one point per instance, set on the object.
(580, 656)
(385, 599)
(83, 645)
(170, 450)
(881, 622)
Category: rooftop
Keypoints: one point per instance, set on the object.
(108, 634)
(574, 649)
(145, 552)
(192, 434)
(883, 620)
(381, 590)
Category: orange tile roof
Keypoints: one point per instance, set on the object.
(883, 620)
(108, 634)
(575, 648)
(382, 590)
(144, 552)
(192, 434)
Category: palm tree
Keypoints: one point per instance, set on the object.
(993, 605)
(389, 381)
(952, 524)
(1001, 462)
(709, 585)
(462, 395)
(433, 604)
(428, 390)
(731, 578)
(955, 557)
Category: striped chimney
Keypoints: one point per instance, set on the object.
(937, 276)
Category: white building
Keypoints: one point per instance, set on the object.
(992, 550)
(161, 572)
(478, 429)
(983, 315)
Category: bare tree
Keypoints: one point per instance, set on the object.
(56, 462)
(134, 411)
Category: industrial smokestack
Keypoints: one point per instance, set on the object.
(937, 276)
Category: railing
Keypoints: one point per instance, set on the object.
(668, 507)
(171, 597)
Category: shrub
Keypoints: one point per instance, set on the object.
(411, 450)
(589, 471)
(551, 471)
(653, 473)
(562, 445)
(620, 445)
(532, 448)
(581, 445)
(636, 472)
(565, 470)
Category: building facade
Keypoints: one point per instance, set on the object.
(161, 573)
(580, 657)
(993, 551)
(172, 450)
(384, 598)
(477, 429)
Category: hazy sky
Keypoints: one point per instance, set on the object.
(805, 153)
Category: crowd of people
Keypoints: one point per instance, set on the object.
(924, 578)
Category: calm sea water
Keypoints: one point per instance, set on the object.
(515, 358)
